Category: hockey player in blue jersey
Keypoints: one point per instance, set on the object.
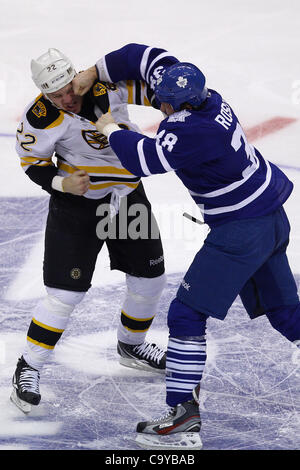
(241, 197)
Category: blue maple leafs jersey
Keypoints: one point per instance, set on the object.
(135, 62)
(226, 176)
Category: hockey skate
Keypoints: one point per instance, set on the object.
(178, 429)
(25, 386)
(145, 356)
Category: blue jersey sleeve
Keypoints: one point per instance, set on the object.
(175, 146)
(142, 156)
(136, 62)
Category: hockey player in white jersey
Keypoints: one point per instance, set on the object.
(61, 150)
(241, 197)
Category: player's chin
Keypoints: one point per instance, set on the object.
(73, 109)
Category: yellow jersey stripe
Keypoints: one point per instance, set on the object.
(129, 84)
(146, 101)
(35, 159)
(37, 164)
(107, 185)
(94, 169)
(57, 121)
(38, 97)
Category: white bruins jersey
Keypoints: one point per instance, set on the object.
(51, 141)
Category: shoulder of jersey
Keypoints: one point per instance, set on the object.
(43, 115)
(100, 94)
(179, 117)
(101, 88)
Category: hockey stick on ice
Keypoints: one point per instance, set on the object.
(193, 219)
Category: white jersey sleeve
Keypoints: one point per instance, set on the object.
(36, 135)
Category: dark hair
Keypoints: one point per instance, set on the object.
(193, 108)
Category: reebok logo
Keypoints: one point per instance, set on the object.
(154, 262)
(185, 285)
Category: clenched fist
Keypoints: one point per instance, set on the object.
(83, 81)
(103, 121)
(78, 183)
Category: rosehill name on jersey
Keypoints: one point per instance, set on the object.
(225, 117)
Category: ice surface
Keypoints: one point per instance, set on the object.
(249, 398)
(250, 395)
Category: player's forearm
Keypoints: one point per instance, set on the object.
(125, 143)
(134, 62)
(137, 153)
(121, 64)
(49, 180)
(116, 66)
(42, 176)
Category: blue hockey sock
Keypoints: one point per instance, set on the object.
(286, 320)
(186, 357)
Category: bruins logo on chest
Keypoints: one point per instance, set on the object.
(94, 139)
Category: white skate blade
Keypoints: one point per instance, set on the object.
(180, 440)
(136, 364)
(21, 404)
